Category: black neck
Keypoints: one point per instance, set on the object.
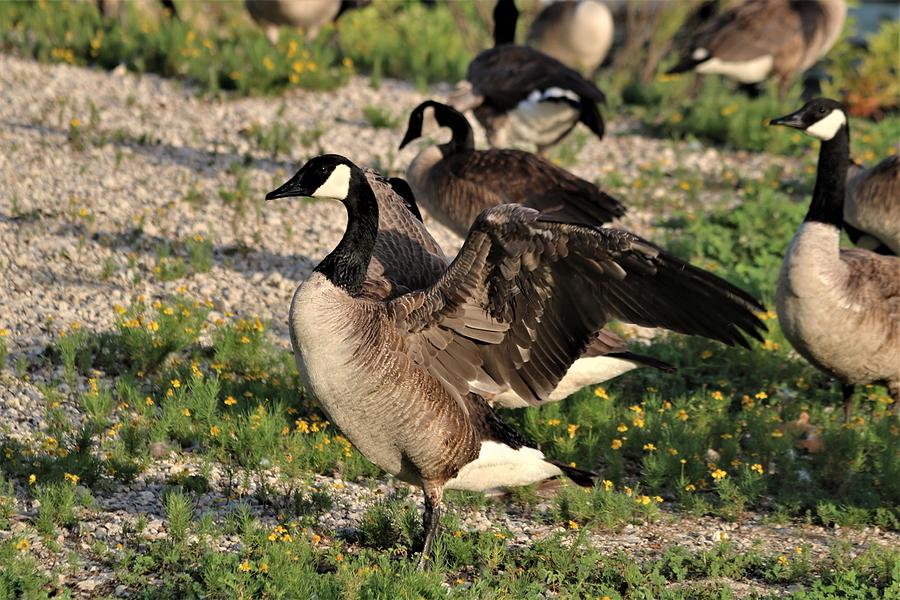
(463, 137)
(506, 17)
(827, 204)
(347, 264)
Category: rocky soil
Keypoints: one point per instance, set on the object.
(151, 153)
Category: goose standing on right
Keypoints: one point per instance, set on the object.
(522, 96)
(455, 182)
(577, 33)
(758, 39)
(839, 308)
(872, 206)
(403, 377)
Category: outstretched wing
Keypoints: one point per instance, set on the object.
(526, 296)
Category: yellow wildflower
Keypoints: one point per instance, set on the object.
(32, 479)
(757, 468)
(622, 428)
(616, 444)
(186, 412)
(264, 568)
(71, 478)
(601, 393)
(717, 395)
(649, 447)
(573, 525)
(230, 401)
(719, 474)
(175, 383)
(761, 396)
(607, 485)
(244, 566)
(553, 422)
(22, 545)
(682, 415)
(572, 428)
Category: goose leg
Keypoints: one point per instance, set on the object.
(848, 390)
(431, 519)
(894, 391)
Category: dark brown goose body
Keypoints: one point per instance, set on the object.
(872, 207)
(455, 182)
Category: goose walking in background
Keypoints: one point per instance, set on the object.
(404, 377)
(455, 182)
(872, 206)
(577, 33)
(521, 96)
(308, 15)
(759, 39)
(839, 308)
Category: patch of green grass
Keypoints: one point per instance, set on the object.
(276, 139)
(380, 118)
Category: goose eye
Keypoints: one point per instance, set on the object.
(821, 110)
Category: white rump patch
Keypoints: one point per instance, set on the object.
(542, 118)
(552, 92)
(700, 54)
(827, 128)
(748, 71)
(337, 186)
(582, 373)
(499, 466)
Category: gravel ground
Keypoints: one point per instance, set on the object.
(68, 253)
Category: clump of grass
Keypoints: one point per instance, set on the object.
(276, 139)
(380, 118)
(57, 505)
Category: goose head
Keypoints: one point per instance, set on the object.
(327, 177)
(820, 118)
(432, 114)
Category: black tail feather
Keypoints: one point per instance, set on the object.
(582, 477)
(645, 361)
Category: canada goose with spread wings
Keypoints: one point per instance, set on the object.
(404, 377)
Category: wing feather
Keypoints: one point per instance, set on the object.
(543, 290)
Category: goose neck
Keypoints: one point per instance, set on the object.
(346, 265)
(463, 138)
(827, 204)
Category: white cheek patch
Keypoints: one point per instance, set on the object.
(337, 186)
(700, 54)
(827, 128)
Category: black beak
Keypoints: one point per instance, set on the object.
(795, 120)
(293, 187)
(410, 136)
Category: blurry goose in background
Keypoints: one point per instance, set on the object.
(839, 308)
(308, 15)
(404, 377)
(872, 206)
(576, 33)
(455, 182)
(116, 8)
(522, 96)
(759, 39)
